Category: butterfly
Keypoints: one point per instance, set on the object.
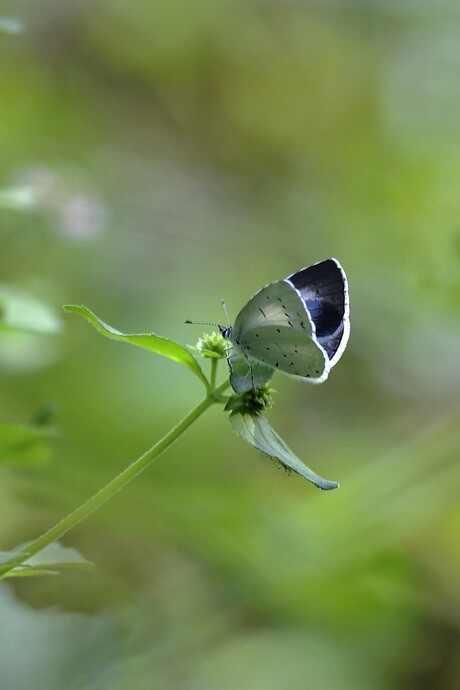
(299, 325)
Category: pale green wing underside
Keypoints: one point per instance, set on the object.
(276, 304)
(275, 329)
(286, 349)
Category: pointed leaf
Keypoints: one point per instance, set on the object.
(23, 571)
(148, 341)
(256, 430)
(49, 561)
(57, 556)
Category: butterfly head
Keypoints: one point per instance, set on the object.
(226, 332)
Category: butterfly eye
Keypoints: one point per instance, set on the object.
(226, 332)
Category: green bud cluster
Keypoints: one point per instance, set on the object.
(252, 402)
(259, 399)
(212, 346)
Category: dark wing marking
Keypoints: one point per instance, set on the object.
(323, 289)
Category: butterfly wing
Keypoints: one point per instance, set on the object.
(276, 304)
(247, 373)
(275, 328)
(288, 350)
(323, 289)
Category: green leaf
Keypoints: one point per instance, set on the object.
(21, 312)
(9, 557)
(254, 429)
(148, 341)
(24, 444)
(50, 561)
(30, 572)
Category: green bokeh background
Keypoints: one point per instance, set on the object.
(174, 153)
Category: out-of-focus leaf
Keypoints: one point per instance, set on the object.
(50, 561)
(10, 557)
(148, 341)
(24, 444)
(49, 646)
(30, 572)
(256, 430)
(44, 415)
(57, 556)
(17, 198)
(11, 25)
(20, 312)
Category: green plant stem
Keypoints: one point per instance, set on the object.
(212, 380)
(115, 485)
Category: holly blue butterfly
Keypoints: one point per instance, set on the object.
(299, 325)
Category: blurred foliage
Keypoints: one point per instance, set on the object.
(159, 156)
(24, 443)
(49, 561)
(21, 313)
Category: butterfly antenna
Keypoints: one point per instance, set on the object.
(224, 306)
(202, 323)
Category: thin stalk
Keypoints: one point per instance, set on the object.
(115, 485)
(212, 380)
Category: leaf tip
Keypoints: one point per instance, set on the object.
(70, 307)
(327, 485)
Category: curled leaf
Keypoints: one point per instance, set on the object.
(147, 341)
(256, 431)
